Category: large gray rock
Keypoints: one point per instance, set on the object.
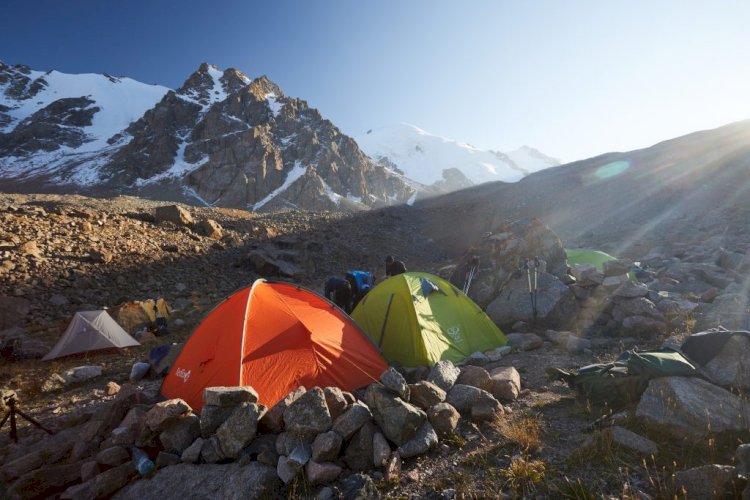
(212, 417)
(207, 481)
(622, 437)
(524, 341)
(229, 396)
(555, 303)
(192, 453)
(180, 434)
(211, 450)
(707, 481)
(444, 374)
(42, 483)
(464, 397)
(689, 406)
(326, 446)
(239, 429)
(642, 326)
(630, 290)
(321, 473)
(640, 306)
(380, 450)
(398, 419)
(351, 420)
(395, 382)
(164, 413)
(81, 374)
(113, 456)
(475, 376)
(731, 366)
(444, 418)
(421, 443)
(506, 383)
(174, 214)
(336, 401)
(103, 485)
(308, 415)
(425, 394)
(273, 420)
(359, 453)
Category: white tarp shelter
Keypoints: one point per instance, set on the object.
(91, 331)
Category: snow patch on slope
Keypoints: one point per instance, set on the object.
(274, 104)
(295, 173)
(531, 159)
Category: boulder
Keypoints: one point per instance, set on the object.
(358, 487)
(102, 485)
(642, 326)
(555, 303)
(524, 341)
(192, 453)
(273, 420)
(113, 456)
(351, 420)
(45, 482)
(464, 397)
(707, 481)
(359, 452)
(229, 396)
(164, 459)
(211, 450)
(499, 353)
(731, 366)
(630, 290)
(308, 415)
(321, 473)
(395, 382)
(398, 419)
(89, 469)
(164, 413)
(577, 344)
(689, 406)
(586, 275)
(287, 469)
(381, 451)
(47, 451)
(640, 306)
(81, 374)
(180, 434)
(486, 410)
(263, 449)
(475, 377)
(426, 394)
(326, 446)
(444, 374)
(506, 383)
(174, 214)
(616, 267)
(622, 437)
(210, 228)
(212, 417)
(252, 481)
(286, 443)
(239, 429)
(421, 443)
(444, 418)
(336, 401)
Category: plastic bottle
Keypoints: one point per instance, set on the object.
(141, 462)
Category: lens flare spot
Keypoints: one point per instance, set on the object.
(611, 169)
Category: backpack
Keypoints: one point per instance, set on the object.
(620, 383)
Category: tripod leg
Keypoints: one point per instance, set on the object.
(13, 430)
(33, 421)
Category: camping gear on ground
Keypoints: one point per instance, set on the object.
(141, 462)
(275, 337)
(91, 331)
(620, 383)
(162, 357)
(702, 347)
(133, 316)
(418, 319)
(597, 258)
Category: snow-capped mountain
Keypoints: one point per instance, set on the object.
(444, 163)
(221, 139)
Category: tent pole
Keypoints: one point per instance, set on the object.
(385, 320)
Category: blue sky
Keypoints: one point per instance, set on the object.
(571, 78)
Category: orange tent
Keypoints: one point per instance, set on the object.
(274, 337)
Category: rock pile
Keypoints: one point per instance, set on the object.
(317, 433)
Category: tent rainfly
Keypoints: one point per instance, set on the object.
(91, 331)
(418, 319)
(275, 337)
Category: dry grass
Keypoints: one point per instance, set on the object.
(523, 475)
(526, 432)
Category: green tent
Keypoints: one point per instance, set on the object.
(594, 257)
(418, 319)
(587, 256)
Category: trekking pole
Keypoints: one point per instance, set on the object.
(468, 282)
(527, 265)
(536, 284)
